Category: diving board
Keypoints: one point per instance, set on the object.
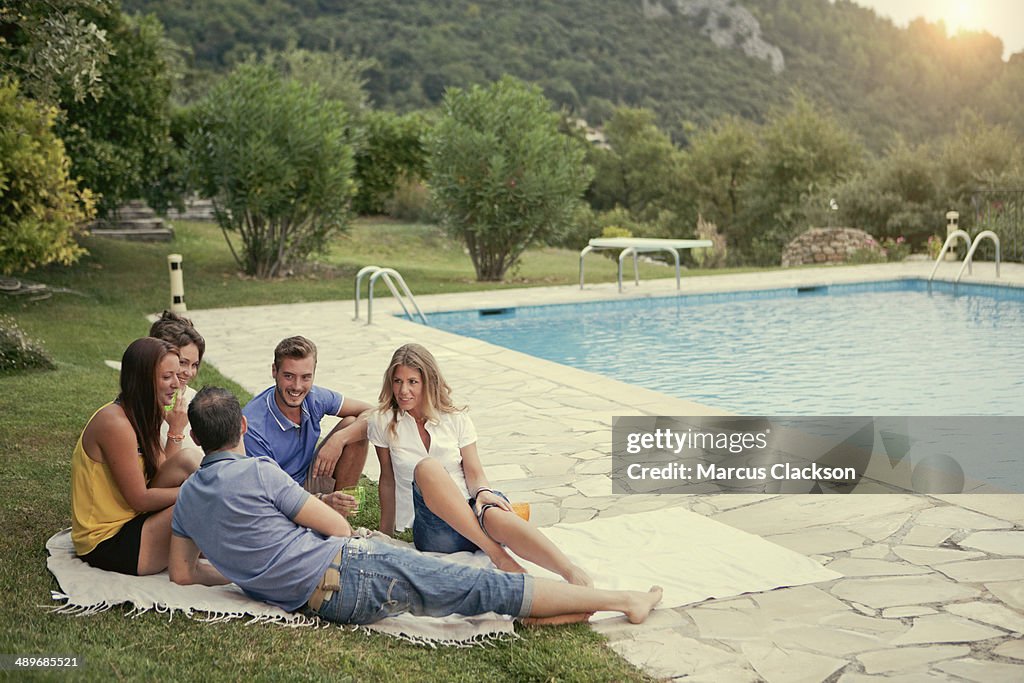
(632, 246)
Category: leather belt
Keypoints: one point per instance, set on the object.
(330, 583)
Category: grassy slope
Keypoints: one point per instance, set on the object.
(44, 412)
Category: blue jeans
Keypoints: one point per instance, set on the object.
(432, 534)
(379, 580)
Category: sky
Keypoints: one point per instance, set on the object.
(1002, 18)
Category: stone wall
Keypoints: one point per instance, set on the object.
(825, 245)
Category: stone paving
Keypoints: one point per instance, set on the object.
(932, 587)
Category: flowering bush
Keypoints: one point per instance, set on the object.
(18, 351)
(935, 246)
(868, 254)
(895, 249)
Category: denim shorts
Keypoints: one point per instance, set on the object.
(432, 534)
(379, 580)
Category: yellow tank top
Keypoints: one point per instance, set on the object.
(98, 510)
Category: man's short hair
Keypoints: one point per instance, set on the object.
(294, 347)
(216, 418)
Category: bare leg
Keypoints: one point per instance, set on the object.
(446, 501)
(528, 542)
(561, 603)
(353, 458)
(175, 469)
(155, 543)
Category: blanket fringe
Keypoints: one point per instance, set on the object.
(478, 640)
(77, 610)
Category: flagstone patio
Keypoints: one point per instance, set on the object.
(933, 586)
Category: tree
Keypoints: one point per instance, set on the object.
(120, 144)
(109, 75)
(502, 174)
(276, 159)
(55, 48)
(640, 170)
(391, 148)
(717, 166)
(41, 208)
(801, 150)
(339, 78)
(897, 195)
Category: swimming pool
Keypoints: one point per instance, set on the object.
(881, 348)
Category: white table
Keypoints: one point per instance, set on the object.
(634, 246)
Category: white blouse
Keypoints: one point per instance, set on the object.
(165, 428)
(448, 435)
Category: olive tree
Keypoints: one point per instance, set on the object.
(276, 159)
(503, 177)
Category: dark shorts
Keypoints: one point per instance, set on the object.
(120, 552)
(432, 534)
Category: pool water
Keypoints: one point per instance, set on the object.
(888, 348)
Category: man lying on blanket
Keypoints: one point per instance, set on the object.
(264, 532)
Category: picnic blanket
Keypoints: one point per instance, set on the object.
(692, 557)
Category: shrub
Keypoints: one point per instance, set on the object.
(502, 174)
(41, 208)
(872, 252)
(390, 152)
(410, 201)
(18, 352)
(275, 158)
(713, 256)
(896, 249)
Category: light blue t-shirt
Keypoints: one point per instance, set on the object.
(272, 435)
(239, 512)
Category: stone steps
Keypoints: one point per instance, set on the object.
(134, 221)
(196, 209)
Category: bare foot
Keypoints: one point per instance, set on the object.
(558, 620)
(576, 576)
(641, 604)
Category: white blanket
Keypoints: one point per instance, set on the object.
(692, 557)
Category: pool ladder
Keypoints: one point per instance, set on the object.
(972, 247)
(390, 277)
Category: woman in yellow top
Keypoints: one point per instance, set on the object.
(123, 486)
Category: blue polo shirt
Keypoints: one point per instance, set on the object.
(239, 512)
(274, 436)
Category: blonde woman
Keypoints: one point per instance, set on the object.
(432, 479)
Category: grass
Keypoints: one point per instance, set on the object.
(44, 411)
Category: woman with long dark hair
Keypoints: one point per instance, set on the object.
(123, 486)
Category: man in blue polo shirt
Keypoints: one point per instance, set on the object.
(284, 424)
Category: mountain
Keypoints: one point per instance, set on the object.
(690, 61)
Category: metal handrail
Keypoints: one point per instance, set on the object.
(950, 240)
(974, 246)
(386, 274)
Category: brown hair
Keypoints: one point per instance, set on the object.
(437, 394)
(138, 395)
(294, 347)
(216, 418)
(177, 330)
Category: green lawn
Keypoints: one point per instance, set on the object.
(43, 413)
